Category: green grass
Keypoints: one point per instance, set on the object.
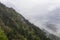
(2, 35)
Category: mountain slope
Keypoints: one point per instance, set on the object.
(16, 27)
(2, 35)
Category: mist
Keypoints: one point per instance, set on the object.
(43, 13)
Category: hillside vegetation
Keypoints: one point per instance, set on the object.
(13, 26)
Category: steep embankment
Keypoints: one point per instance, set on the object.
(13, 26)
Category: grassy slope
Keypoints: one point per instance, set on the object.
(2, 35)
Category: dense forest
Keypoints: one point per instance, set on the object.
(13, 26)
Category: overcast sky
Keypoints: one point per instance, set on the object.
(39, 12)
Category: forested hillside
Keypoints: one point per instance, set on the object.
(13, 26)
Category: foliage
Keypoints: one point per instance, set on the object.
(16, 27)
(2, 35)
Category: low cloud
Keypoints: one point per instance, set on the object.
(43, 13)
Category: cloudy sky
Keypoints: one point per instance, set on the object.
(43, 13)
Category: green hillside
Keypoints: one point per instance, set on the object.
(2, 35)
(13, 26)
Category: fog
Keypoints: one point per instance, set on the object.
(43, 13)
